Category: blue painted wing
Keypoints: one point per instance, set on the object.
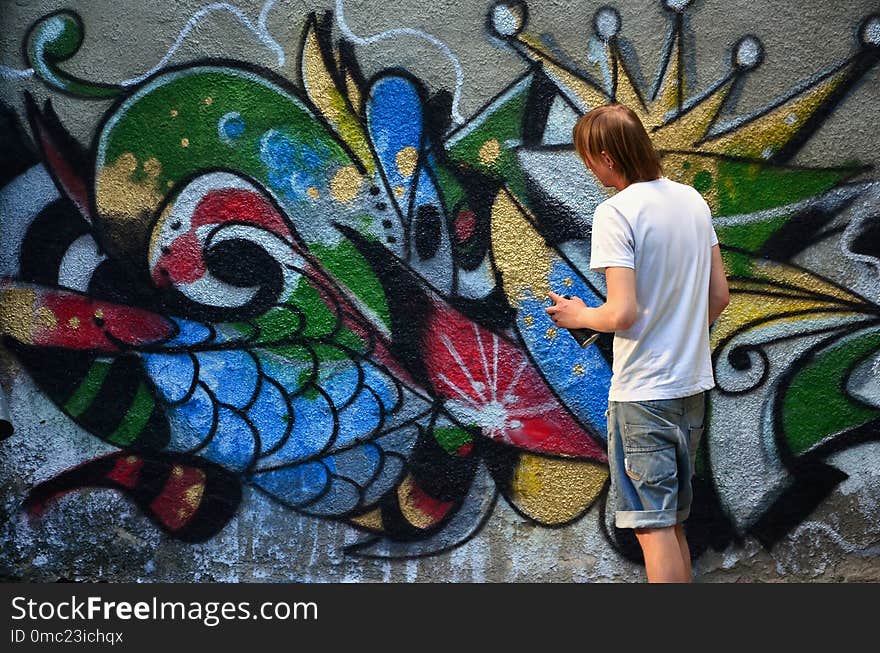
(310, 422)
(580, 376)
(395, 123)
(346, 481)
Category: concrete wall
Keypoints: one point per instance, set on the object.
(273, 281)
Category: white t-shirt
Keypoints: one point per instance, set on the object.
(663, 230)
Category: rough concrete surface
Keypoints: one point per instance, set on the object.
(271, 287)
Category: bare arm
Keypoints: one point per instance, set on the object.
(618, 313)
(719, 294)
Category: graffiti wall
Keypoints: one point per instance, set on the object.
(273, 281)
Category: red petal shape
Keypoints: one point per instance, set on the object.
(59, 318)
(180, 498)
(490, 381)
(238, 205)
(191, 499)
(62, 154)
(182, 262)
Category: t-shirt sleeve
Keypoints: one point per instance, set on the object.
(612, 243)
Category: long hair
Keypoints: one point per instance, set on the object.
(617, 131)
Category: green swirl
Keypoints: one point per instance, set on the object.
(56, 38)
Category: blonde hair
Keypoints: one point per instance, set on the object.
(617, 131)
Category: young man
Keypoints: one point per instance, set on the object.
(665, 285)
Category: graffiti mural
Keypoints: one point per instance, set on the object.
(327, 287)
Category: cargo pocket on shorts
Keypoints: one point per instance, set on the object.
(649, 452)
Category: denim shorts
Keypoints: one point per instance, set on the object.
(652, 446)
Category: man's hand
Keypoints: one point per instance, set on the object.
(618, 313)
(566, 313)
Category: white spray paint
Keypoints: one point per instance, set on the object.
(408, 31)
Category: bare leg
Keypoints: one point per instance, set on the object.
(685, 551)
(663, 556)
